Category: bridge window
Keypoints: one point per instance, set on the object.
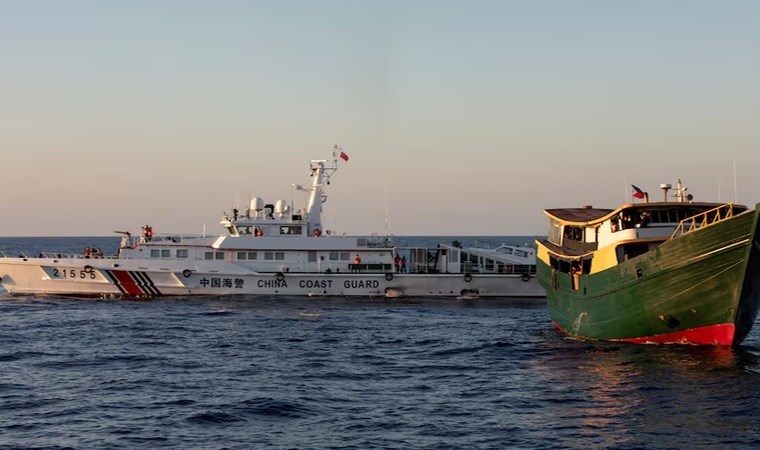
(182, 253)
(291, 229)
(573, 233)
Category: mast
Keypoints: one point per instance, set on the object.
(681, 195)
(320, 174)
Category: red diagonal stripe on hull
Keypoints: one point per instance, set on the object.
(720, 334)
(126, 281)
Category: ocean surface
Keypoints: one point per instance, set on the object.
(315, 373)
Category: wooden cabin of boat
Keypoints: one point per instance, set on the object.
(588, 240)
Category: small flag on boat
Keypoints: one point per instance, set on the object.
(343, 156)
(638, 193)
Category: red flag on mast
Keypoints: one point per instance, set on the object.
(638, 193)
(343, 156)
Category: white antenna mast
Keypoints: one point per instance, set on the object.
(387, 220)
(735, 190)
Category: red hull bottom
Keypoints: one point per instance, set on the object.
(721, 334)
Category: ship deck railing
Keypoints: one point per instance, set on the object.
(165, 238)
(53, 255)
(370, 268)
(703, 219)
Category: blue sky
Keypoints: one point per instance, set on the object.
(460, 117)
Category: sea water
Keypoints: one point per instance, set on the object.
(313, 373)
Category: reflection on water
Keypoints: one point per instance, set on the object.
(650, 396)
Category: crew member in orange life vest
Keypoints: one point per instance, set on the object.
(357, 261)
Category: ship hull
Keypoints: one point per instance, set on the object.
(132, 279)
(699, 288)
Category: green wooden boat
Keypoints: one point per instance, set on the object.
(678, 272)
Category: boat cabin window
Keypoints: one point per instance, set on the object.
(246, 255)
(291, 229)
(670, 215)
(554, 232)
(277, 256)
(245, 230)
(208, 255)
(218, 255)
(634, 219)
(335, 256)
(182, 253)
(614, 224)
(573, 233)
(522, 253)
(166, 253)
(155, 253)
(578, 267)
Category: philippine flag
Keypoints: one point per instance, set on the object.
(638, 193)
(344, 156)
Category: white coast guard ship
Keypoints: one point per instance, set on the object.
(268, 249)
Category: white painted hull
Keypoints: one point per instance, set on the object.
(130, 278)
